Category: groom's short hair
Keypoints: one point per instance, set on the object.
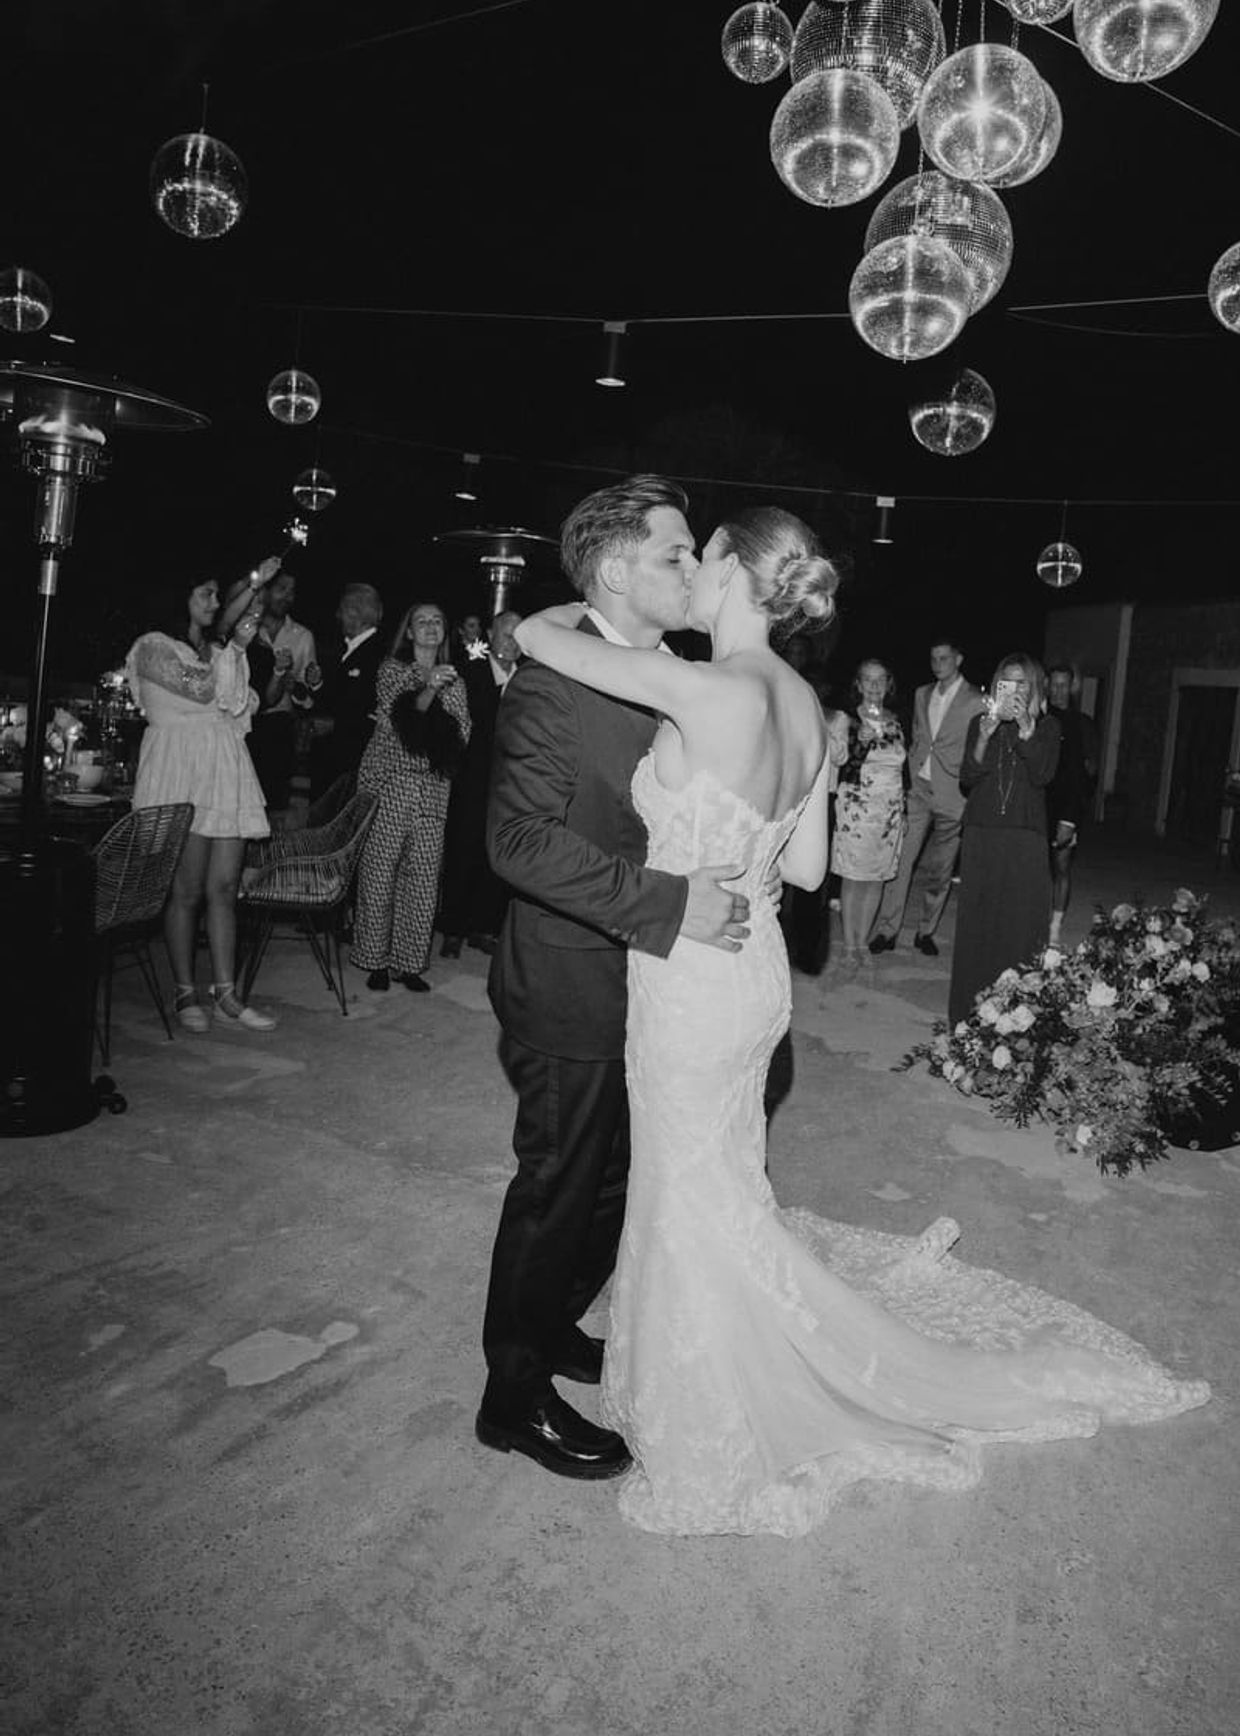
(611, 521)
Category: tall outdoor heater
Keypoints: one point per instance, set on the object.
(63, 421)
(502, 555)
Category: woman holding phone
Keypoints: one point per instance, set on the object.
(1010, 755)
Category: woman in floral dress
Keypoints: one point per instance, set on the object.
(869, 808)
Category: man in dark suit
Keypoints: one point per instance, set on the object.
(345, 702)
(473, 897)
(562, 831)
(941, 713)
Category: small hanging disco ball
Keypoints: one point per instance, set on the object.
(834, 138)
(897, 43)
(1137, 41)
(1059, 565)
(757, 41)
(314, 489)
(1042, 149)
(1223, 289)
(198, 186)
(909, 298)
(969, 217)
(958, 420)
(297, 531)
(981, 111)
(25, 300)
(1038, 11)
(294, 397)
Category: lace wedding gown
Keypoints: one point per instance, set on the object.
(759, 1361)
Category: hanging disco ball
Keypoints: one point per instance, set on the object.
(294, 397)
(757, 41)
(1137, 41)
(314, 489)
(1042, 149)
(834, 138)
(909, 297)
(969, 217)
(1223, 289)
(956, 421)
(198, 186)
(896, 42)
(981, 111)
(25, 300)
(1038, 11)
(1059, 565)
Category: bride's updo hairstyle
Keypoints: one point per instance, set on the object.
(790, 577)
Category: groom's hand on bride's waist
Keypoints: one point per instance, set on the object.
(714, 914)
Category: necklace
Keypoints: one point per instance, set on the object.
(1006, 774)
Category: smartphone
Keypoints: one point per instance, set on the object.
(1004, 690)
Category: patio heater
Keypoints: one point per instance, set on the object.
(63, 421)
(502, 556)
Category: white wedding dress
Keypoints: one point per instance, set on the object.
(760, 1361)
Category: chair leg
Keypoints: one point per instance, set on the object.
(263, 926)
(103, 1022)
(320, 945)
(146, 964)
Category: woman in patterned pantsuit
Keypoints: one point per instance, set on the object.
(421, 728)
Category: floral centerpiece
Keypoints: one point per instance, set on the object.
(1110, 1043)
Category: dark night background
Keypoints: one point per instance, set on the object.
(595, 162)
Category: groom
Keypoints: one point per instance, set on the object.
(562, 831)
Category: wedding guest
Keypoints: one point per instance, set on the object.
(941, 713)
(345, 703)
(196, 697)
(869, 807)
(1011, 751)
(274, 741)
(802, 913)
(1067, 794)
(474, 898)
(465, 633)
(421, 729)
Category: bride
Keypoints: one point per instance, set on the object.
(760, 1361)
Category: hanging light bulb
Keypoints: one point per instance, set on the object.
(1059, 565)
(897, 43)
(969, 217)
(198, 186)
(294, 397)
(958, 420)
(612, 374)
(909, 298)
(1137, 41)
(886, 505)
(1038, 11)
(314, 489)
(834, 138)
(25, 300)
(1223, 289)
(467, 488)
(757, 40)
(1042, 149)
(981, 111)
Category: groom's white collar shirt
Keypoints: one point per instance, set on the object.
(613, 634)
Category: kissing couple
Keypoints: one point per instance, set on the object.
(758, 1362)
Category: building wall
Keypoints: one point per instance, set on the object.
(1202, 636)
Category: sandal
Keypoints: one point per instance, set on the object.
(226, 1009)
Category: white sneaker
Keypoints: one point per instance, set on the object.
(189, 1015)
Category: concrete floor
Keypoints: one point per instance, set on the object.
(242, 1491)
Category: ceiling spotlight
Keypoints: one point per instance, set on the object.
(886, 505)
(467, 487)
(611, 375)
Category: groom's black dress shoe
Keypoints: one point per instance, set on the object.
(559, 1439)
(924, 943)
(883, 943)
(580, 1357)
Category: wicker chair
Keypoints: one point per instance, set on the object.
(134, 866)
(334, 797)
(304, 877)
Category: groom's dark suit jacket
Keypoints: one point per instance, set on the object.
(562, 831)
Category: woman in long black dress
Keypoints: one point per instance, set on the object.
(1011, 751)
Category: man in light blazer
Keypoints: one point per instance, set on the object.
(941, 713)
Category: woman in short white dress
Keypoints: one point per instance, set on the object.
(195, 695)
